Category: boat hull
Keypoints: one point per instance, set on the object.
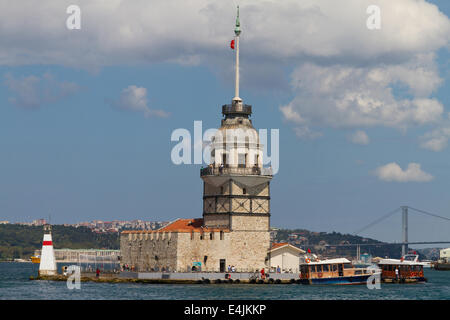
(362, 279)
(404, 280)
(442, 266)
(36, 259)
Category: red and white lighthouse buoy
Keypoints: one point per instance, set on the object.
(48, 261)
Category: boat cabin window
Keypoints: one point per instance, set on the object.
(326, 268)
(313, 268)
(334, 266)
(319, 268)
(347, 265)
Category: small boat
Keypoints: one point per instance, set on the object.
(442, 265)
(415, 258)
(338, 271)
(36, 259)
(408, 271)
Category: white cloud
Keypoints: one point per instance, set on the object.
(359, 137)
(437, 139)
(291, 115)
(346, 97)
(393, 172)
(306, 133)
(134, 98)
(31, 92)
(344, 73)
(190, 32)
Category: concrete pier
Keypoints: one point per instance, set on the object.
(180, 278)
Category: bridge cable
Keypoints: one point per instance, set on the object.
(430, 214)
(377, 221)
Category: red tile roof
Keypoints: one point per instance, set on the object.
(278, 245)
(282, 244)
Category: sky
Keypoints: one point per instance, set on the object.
(86, 115)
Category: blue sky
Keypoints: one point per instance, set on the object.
(86, 115)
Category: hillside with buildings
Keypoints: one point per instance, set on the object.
(321, 243)
(20, 241)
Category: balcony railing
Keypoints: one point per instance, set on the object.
(215, 171)
(236, 109)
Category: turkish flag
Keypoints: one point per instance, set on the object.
(309, 250)
(232, 44)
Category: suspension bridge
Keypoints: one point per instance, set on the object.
(404, 241)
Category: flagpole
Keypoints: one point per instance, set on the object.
(237, 32)
(236, 89)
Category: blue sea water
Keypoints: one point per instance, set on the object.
(15, 284)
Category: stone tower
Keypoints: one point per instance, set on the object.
(234, 230)
(236, 192)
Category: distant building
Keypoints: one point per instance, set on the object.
(84, 255)
(39, 222)
(366, 258)
(444, 254)
(4, 222)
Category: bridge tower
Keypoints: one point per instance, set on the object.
(404, 230)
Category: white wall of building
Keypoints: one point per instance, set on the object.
(287, 258)
(445, 253)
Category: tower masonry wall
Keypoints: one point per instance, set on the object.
(216, 220)
(192, 248)
(249, 250)
(210, 189)
(149, 251)
(249, 222)
(258, 190)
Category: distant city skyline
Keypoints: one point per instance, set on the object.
(101, 226)
(363, 115)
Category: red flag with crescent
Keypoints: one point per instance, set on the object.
(232, 44)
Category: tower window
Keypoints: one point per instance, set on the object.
(221, 190)
(221, 235)
(241, 160)
(244, 191)
(211, 235)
